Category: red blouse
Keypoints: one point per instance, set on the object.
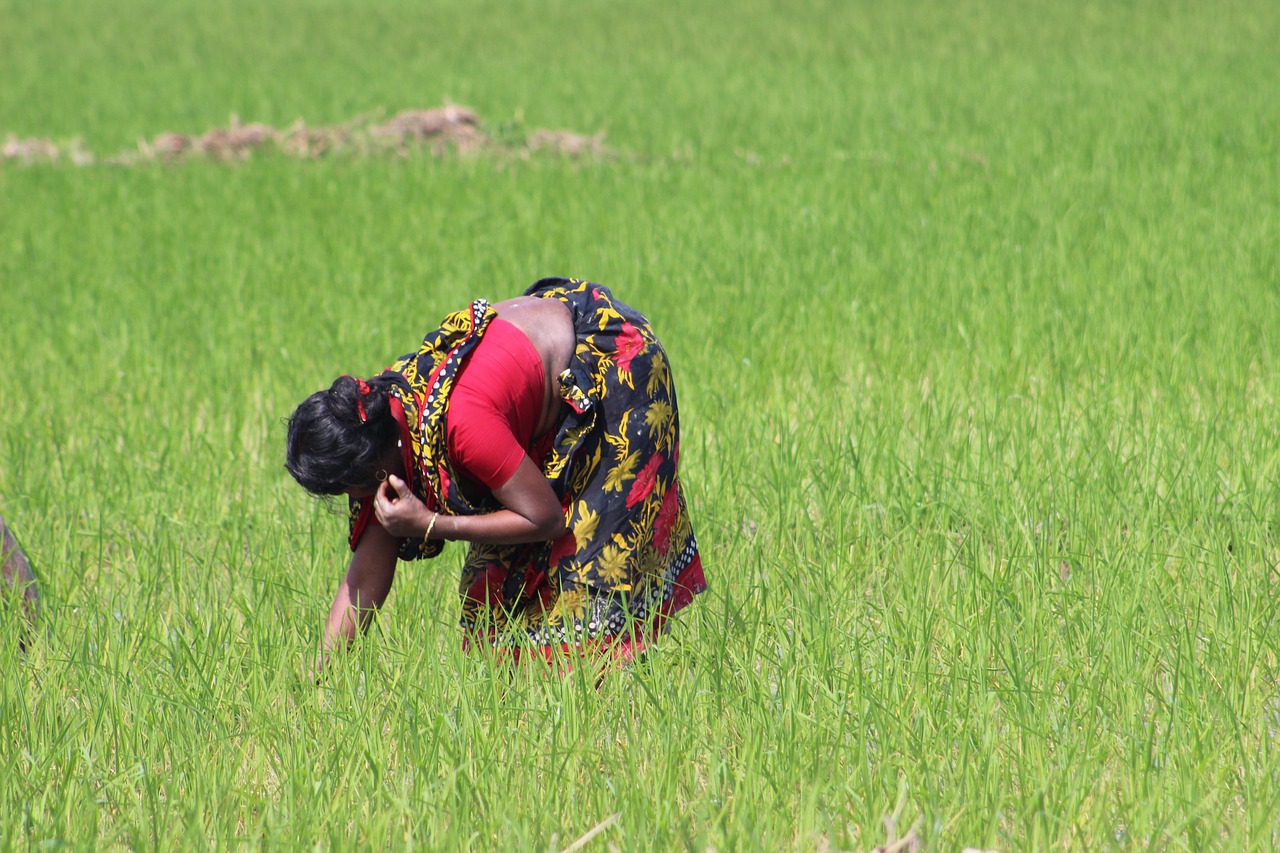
(495, 405)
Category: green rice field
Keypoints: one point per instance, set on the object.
(973, 308)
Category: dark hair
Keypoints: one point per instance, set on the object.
(330, 448)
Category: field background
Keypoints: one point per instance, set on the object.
(973, 308)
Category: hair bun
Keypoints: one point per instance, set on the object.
(338, 436)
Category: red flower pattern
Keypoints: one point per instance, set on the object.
(565, 546)
(666, 521)
(644, 481)
(486, 589)
(629, 344)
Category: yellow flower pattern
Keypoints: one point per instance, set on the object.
(584, 529)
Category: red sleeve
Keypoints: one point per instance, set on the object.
(494, 407)
(481, 441)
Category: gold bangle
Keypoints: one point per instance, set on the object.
(426, 537)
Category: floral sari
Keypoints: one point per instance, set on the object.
(629, 559)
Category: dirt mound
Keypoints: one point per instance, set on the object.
(37, 150)
(236, 141)
(421, 124)
(441, 127)
(443, 130)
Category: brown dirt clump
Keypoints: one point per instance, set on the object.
(168, 146)
(423, 124)
(442, 127)
(29, 150)
(236, 141)
(567, 143)
(308, 142)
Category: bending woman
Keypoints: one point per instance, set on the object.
(543, 430)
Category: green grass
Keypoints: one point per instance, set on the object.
(972, 309)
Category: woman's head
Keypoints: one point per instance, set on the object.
(338, 438)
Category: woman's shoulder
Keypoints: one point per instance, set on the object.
(547, 323)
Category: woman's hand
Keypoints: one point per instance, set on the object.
(398, 509)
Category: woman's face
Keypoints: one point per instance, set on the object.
(391, 463)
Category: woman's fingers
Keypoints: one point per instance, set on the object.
(398, 510)
(400, 486)
(382, 502)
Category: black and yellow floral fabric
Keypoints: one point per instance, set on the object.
(630, 558)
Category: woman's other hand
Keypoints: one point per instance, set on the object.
(398, 509)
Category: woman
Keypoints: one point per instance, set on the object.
(544, 431)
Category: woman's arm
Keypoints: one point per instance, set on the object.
(532, 512)
(363, 590)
